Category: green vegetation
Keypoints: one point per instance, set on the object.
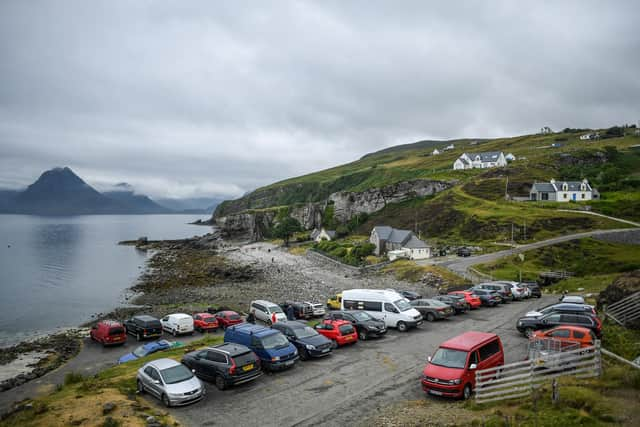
(285, 228)
(352, 252)
(412, 272)
(595, 263)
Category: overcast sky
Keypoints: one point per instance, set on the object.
(186, 98)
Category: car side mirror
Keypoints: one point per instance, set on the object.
(473, 366)
(428, 358)
(544, 321)
(156, 381)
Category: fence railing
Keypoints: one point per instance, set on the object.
(624, 311)
(519, 379)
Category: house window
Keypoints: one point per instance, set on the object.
(565, 195)
(583, 195)
(545, 196)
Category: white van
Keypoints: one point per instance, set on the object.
(178, 323)
(386, 305)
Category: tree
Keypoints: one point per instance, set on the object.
(285, 229)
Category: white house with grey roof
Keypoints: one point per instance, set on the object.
(562, 191)
(398, 243)
(322, 234)
(488, 159)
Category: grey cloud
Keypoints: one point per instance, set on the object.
(197, 98)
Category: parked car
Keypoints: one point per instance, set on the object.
(488, 297)
(318, 309)
(170, 381)
(527, 291)
(335, 302)
(273, 349)
(451, 370)
(205, 322)
(340, 332)
(527, 325)
(225, 364)
(534, 288)
(569, 335)
(432, 309)
(145, 350)
(177, 324)
(572, 299)
(563, 307)
(410, 295)
(108, 332)
(264, 310)
(143, 327)
(366, 325)
(503, 290)
(385, 305)
(456, 301)
(517, 291)
(464, 252)
(472, 299)
(307, 340)
(228, 318)
(301, 310)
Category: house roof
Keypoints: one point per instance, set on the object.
(487, 156)
(399, 236)
(383, 231)
(573, 185)
(552, 188)
(543, 186)
(331, 233)
(315, 233)
(415, 243)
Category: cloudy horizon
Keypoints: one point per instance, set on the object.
(215, 99)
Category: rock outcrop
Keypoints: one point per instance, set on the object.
(622, 287)
(237, 218)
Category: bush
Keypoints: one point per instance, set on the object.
(73, 378)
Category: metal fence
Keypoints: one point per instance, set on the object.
(624, 311)
(520, 379)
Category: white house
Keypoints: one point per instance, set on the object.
(435, 152)
(589, 136)
(398, 243)
(320, 235)
(562, 191)
(489, 159)
(449, 147)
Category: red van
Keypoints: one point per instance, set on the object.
(108, 332)
(452, 369)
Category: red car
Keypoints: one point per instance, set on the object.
(340, 332)
(568, 335)
(205, 322)
(228, 318)
(108, 332)
(471, 298)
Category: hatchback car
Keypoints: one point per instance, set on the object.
(307, 340)
(488, 297)
(503, 290)
(457, 302)
(527, 325)
(471, 298)
(410, 295)
(226, 364)
(228, 318)
(205, 322)
(569, 335)
(108, 332)
(572, 299)
(171, 382)
(340, 332)
(432, 309)
(145, 350)
(366, 325)
(534, 288)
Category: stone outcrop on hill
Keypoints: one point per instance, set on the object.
(241, 218)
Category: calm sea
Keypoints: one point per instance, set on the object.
(57, 271)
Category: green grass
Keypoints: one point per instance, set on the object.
(412, 272)
(595, 263)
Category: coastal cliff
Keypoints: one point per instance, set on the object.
(253, 215)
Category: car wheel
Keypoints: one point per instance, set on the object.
(466, 392)
(304, 354)
(528, 332)
(362, 336)
(221, 384)
(402, 327)
(165, 401)
(334, 344)
(174, 332)
(431, 317)
(139, 336)
(140, 387)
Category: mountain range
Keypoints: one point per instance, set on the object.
(60, 191)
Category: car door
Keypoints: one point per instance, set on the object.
(215, 362)
(563, 336)
(551, 320)
(154, 383)
(391, 312)
(199, 363)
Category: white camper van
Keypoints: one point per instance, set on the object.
(386, 305)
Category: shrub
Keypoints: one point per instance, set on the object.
(73, 378)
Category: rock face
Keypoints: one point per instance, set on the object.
(622, 287)
(348, 204)
(254, 223)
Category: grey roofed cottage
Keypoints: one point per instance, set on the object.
(388, 239)
(562, 191)
(487, 159)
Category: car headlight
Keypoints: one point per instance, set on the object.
(372, 328)
(275, 359)
(310, 347)
(519, 323)
(456, 381)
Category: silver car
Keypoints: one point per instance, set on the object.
(171, 382)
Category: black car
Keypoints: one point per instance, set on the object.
(458, 303)
(488, 298)
(528, 324)
(366, 325)
(564, 308)
(464, 252)
(410, 295)
(307, 340)
(301, 310)
(534, 288)
(225, 364)
(143, 327)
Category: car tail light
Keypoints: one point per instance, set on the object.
(232, 369)
(144, 331)
(440, 309)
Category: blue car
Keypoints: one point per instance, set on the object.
(145, 350)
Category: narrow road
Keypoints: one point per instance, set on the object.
(461, 265)
(613, 218)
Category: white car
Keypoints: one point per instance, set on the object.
(517, 291)
(264, 310)
(318, 309)
(177, 324)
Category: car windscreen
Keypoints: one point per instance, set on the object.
(403, 304)
(234, 317)
(154, 324)
(244, 358)
(210, 319)
(116, 331)
(275, 309)
(362, 316)
(449, 358)
(273, 341)
(176, 374)
(346, 329)
(436, 303)
(305, 332)
(140, 351)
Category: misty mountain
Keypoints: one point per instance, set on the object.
(195, 205)
(135, 203)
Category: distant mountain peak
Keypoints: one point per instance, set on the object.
(123, 186)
